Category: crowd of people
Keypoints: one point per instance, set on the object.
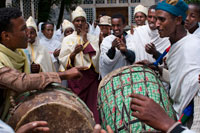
(81, 54)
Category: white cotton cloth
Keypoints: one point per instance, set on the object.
(184, 68)
(107, 65)
(144, 35)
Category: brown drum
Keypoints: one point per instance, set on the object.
(62, 109)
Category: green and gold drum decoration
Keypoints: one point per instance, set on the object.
(114, 100)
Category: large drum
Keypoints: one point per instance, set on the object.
(114, 100)
(63, 111)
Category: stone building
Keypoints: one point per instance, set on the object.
(92, 7)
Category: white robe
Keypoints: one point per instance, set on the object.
(107, 65)
(144, 35)
(94, 31)
(184, 68)
(68, 45)
(51, 45)
(39, 55)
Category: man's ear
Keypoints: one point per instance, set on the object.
(178, 20)
(5, 36)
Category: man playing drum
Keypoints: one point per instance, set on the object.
(14, 69)
(183, 58)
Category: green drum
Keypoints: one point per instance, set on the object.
(114, 100)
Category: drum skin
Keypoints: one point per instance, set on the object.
(114, 100)
(63, 111)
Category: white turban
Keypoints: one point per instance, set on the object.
(141, 8)
(67, 24)
(30, 22)
(78, 12)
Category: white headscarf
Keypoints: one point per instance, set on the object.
(67, 24)
(141, 8)
(78, 12)
(51, 44)
(30, 22)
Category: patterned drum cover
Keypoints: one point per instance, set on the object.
(114, 100)
(63, 110)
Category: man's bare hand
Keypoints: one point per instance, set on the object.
(132, 30)
(56, 53)
(151, 49)
(78, 49)
(149, 112)
(84, 33)
(72, 73)
(115, 43)
(35, 68)
(34, 127)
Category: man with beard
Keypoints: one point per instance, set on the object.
(117, 49)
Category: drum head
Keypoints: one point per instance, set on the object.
(63, 111)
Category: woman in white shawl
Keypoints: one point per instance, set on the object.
(38, 56)
(50, 42)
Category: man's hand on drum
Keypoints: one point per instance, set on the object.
(149, 112)
(73, 73)
(98, 129)
(34, 127)
(150, 65)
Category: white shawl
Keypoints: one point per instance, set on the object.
(51, 45)
(184, 68)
